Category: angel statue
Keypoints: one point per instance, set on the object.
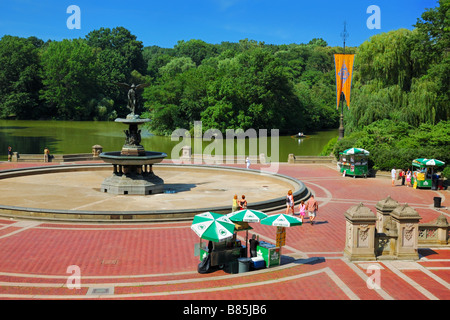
(132, 93)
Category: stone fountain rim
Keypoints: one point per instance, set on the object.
(300, 193)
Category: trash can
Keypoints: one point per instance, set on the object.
(232, 267)
(437, 202)
(244, 264)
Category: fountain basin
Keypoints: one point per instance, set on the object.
(133, 174)
(150, 157)
(132, 120)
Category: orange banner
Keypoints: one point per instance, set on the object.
(344, 70)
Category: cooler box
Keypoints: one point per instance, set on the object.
(258, 263)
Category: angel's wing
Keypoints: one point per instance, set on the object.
(123, 85)
(141, 86)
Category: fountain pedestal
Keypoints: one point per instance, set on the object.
(133, 166)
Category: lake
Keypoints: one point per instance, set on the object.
(67, 137)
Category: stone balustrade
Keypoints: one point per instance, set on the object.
(392, 233)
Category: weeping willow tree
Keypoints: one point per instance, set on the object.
(400, 100)
(403, 75)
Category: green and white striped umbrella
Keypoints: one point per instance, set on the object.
(213, 226)
(282, 220)
(356, 151)
(428, 162)
(247, 215)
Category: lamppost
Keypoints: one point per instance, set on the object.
(344, 36)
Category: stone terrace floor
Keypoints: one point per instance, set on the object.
(156, 260)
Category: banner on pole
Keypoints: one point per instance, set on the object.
(344, 71)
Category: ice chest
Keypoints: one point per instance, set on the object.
(258, 263)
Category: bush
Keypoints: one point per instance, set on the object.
(446, 172)
(396, 144)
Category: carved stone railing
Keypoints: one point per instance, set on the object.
(394, 233)
(435, 233)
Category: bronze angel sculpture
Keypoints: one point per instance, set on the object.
(132, 93)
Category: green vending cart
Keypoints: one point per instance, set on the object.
(425, 175)
(354, 162)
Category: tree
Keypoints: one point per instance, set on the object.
(318, 42)
(176, 66)
(435, 25)
(124, 43)
(19, 77)
(403, 75)
(387, 58)
(70, 78)
(197, 50)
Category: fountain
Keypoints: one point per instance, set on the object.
(133, 166)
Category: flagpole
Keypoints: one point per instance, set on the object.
(344, 36)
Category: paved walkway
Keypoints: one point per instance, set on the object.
(41, 260)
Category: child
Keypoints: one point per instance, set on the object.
(302, 208)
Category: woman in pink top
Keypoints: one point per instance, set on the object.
(408, 178)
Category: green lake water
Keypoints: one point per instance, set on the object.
(67, 137)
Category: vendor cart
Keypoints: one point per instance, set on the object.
(223, 253)
(227, 253)
(425, 173)
(229, 250)
(354, 162)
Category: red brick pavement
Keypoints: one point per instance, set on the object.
(156, 260)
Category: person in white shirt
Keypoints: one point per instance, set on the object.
(393, 175)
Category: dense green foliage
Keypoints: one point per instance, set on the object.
(241, 85)
(19, 77)
(69, 79)
(395, 144)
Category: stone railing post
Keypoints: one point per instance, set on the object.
(291, 158)
(186, 154)
(96, 150)
(15, 156)
(384, 209)
(360, 234)
(407, 221)
(442, 231)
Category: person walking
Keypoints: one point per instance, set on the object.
(302, 209)
(242, 203)
(289, 202)
(247, 161)
(46, 154)
(403, 176)
(408, 178)
(312, 207)
(393, 176)
(235, 206)
(9, 153)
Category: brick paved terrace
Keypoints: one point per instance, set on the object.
(156, 260)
